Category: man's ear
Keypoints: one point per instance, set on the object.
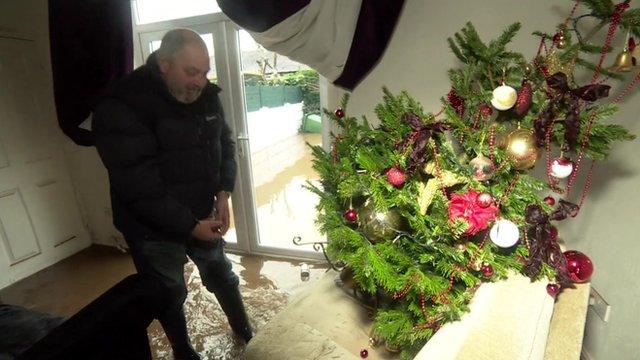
(164, 66)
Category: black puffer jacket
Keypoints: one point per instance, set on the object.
(166, 160)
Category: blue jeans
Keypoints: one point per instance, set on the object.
(166, 260)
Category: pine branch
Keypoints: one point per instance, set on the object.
(456, 50)
(498, 46)
(600, 8)
(604, 72)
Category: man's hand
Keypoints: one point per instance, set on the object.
(207, 230)
(222, 211)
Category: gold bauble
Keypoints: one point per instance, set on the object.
(374, 339)
(624, 62)
(392, 348)
(520, 146)
(379, 225)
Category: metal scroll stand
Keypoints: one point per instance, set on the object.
(317, 246)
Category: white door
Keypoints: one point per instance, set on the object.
(39, 219)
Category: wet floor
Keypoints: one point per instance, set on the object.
(266, 284)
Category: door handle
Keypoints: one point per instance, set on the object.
(245, 143)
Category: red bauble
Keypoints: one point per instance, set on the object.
(339, 113)
(396, 177)
(579, 266)
(550, 200)
(364, 353)
(484, 200)
(553, 289)
(553, 232)
(350, 215)
(487, 270)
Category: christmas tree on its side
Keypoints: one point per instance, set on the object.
(424, 208)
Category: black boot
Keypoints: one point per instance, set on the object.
(175, 327)
(185, 352)
(231, 302)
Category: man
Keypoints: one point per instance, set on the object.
(163, 139)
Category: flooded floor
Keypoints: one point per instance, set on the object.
(266, 285)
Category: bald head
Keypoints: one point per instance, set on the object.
(176, 40)
(183, 60)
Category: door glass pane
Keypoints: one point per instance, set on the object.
(231, 236)
(282, 112)
(149, 11)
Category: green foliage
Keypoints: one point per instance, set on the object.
(603, 9)
(306, 80)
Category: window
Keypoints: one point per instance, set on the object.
(149, 11)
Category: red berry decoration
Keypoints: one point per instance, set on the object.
(579, 266)
(351, 215)
(396, 177)
(456, 102)
(523, 101)
(553, 232)
(558, 37)
(486, 110)
(487, 270)
(550, 200)
(339, 113)
(364, 353)
(553, 289)
(484, 200)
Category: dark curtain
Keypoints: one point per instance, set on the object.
(91, 46)
(376, 23)
(260, 15)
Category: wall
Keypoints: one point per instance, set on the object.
(417, 60)
(30, 18)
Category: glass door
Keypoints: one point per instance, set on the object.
(272, 105)
(213, 35)
(280, 116)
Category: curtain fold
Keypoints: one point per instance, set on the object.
(342, 39)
